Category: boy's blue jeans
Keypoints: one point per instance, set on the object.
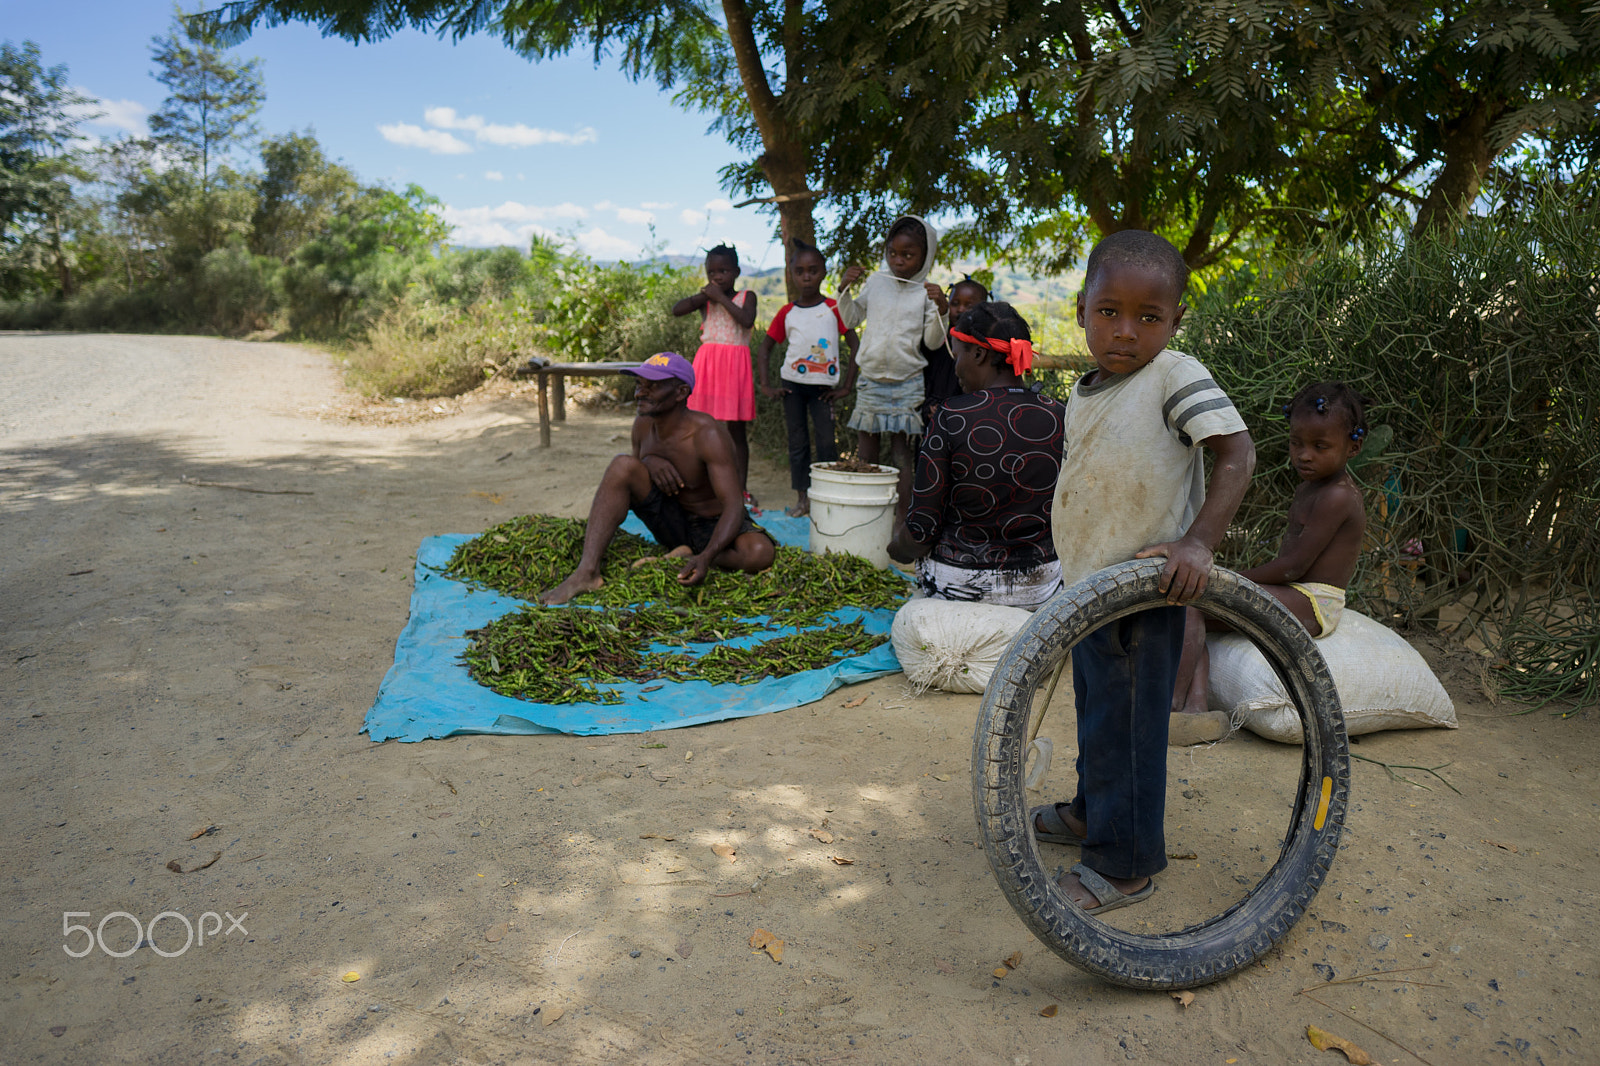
(1123, 675)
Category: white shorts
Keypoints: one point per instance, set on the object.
(1028, 589)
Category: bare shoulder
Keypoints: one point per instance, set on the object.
(1342, 498)
(706, 432)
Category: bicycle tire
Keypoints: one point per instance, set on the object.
(1216, 947)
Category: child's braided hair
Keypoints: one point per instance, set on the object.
(725, 251)
(801, 248)
(1324, 396)
(994, 320)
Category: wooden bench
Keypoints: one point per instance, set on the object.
(556, 374)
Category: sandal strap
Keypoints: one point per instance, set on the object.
(1104, 891)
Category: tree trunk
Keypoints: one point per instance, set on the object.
(63, 271)
(1467, 156)
(784, 160)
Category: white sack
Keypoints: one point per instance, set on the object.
(1382, 681)
(950, 645)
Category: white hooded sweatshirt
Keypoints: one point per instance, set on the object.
(901, 316)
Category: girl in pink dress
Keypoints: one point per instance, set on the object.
(724, 384)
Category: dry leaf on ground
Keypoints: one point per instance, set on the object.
(1000, 971)
(1322, 1040)
(858, 701)
(727, 851)
(1013, 960)
(496, 932)
(1049, 1011)
(685, 949)
(176, 867)
(351, 978)
(552, 1015)
(771, 943)
(1183, 998)
(198, 833)
(1512, 848)
(822, 835)
(840, 860)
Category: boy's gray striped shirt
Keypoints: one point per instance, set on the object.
(1195, 398)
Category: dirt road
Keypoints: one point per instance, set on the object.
(179, 656)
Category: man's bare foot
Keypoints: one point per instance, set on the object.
(1193, 703)
(801, 508)
(682, 551)
(1074, 887)
(576, 585)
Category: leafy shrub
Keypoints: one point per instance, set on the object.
(621, 311)
(433, 350)
(1482, 354)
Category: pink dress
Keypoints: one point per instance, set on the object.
(724, 385)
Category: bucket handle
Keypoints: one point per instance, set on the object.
(893, 498)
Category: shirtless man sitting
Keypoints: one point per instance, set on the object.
(680, 480)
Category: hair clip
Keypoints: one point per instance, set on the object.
(1322, 405)
(1358, 433)
(1286, 410)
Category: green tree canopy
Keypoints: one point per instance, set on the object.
(40, 159)
(211, 99)
(1221, 123)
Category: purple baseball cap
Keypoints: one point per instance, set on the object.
(664, 365)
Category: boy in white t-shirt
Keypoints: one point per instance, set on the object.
(1132, 485)
(811, 375)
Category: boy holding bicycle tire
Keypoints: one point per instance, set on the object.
(1132, 485)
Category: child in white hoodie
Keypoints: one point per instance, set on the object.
(905, 309)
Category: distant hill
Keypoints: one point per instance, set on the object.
(1009, 285)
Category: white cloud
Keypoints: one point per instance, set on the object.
(690, 217)
(634, 217)
(517, 135)
(520, 136)
(605, 205)
(494, 175)
(508, 223)
(602, 245)
(517, 213)
(436, 141)
(127, 115)
(446, 119)
(649, 205)
(719, 204)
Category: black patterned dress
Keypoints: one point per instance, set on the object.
(981, 497)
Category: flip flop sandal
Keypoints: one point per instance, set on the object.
(1109, 896)
(1055, 830)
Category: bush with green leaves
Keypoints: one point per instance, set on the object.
(1481, 353)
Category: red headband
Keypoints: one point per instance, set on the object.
(1019, 353)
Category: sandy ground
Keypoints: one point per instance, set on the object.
(177, 657)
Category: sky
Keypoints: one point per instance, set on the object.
(511, 147)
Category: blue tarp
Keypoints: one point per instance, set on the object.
(427, 693)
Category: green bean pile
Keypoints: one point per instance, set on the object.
(572, 654)
(529, 554)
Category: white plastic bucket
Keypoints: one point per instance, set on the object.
(853, 512)
(842, 484)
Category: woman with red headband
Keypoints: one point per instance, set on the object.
(978, 526)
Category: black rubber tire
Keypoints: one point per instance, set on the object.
(1218, 946)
